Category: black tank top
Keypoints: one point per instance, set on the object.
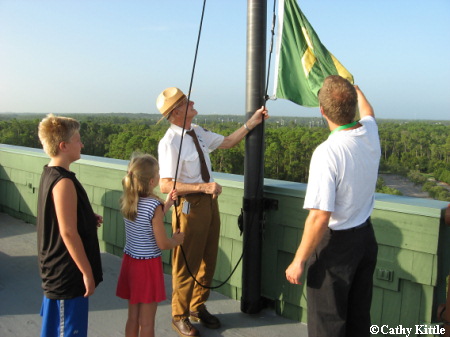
(61, 278)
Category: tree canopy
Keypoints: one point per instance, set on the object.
(422, 147)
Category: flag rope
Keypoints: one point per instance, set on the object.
(274, 17)
(176, 205)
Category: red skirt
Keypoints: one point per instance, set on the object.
(141, 281)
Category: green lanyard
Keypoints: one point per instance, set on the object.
(342, 127)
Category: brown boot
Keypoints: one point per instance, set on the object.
(203, 316)
(184, 327)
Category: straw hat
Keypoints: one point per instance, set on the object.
(168, 100)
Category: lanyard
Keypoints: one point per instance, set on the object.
(342, 127)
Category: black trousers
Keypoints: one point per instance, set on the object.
(340, 281)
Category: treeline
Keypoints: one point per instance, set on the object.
(419, 147)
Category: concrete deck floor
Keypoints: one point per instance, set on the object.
(21, 296)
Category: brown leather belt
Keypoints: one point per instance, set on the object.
(192, 194)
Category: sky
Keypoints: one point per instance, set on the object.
(103, 56)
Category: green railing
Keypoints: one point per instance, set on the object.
(413, 259)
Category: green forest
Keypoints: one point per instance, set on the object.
(417, 149)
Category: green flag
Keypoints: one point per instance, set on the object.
(302, 61)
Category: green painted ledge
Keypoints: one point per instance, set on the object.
(413, 259)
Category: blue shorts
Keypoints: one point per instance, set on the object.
(64, 318)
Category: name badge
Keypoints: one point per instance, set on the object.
(186, 207)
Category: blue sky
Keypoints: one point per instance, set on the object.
(98, 56)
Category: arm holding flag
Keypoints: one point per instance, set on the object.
(365, 109)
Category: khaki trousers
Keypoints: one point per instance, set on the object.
(201, 228)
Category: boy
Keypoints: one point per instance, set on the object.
(68, 249)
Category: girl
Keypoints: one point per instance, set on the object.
(141, 279)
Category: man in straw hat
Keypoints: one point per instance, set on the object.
(198, 213)
(338, 246)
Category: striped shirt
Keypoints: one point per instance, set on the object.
(140, 240)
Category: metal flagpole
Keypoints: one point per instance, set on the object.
(254, 158)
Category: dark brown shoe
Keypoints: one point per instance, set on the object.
(184, 327)
(203, 316)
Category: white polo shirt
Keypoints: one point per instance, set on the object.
(189, 167)
(343, 175)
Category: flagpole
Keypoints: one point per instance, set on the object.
(254, 158)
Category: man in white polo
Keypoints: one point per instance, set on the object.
(198, 212)
(338, 242)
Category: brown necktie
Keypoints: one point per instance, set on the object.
(203, 167)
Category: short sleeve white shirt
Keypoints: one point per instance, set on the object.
(343, 175)
(189, 168)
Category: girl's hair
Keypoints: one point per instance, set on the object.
(53, 130)
(136, 184)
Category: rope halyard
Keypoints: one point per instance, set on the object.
(274, 17)
(266, 97)
(178, 161)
